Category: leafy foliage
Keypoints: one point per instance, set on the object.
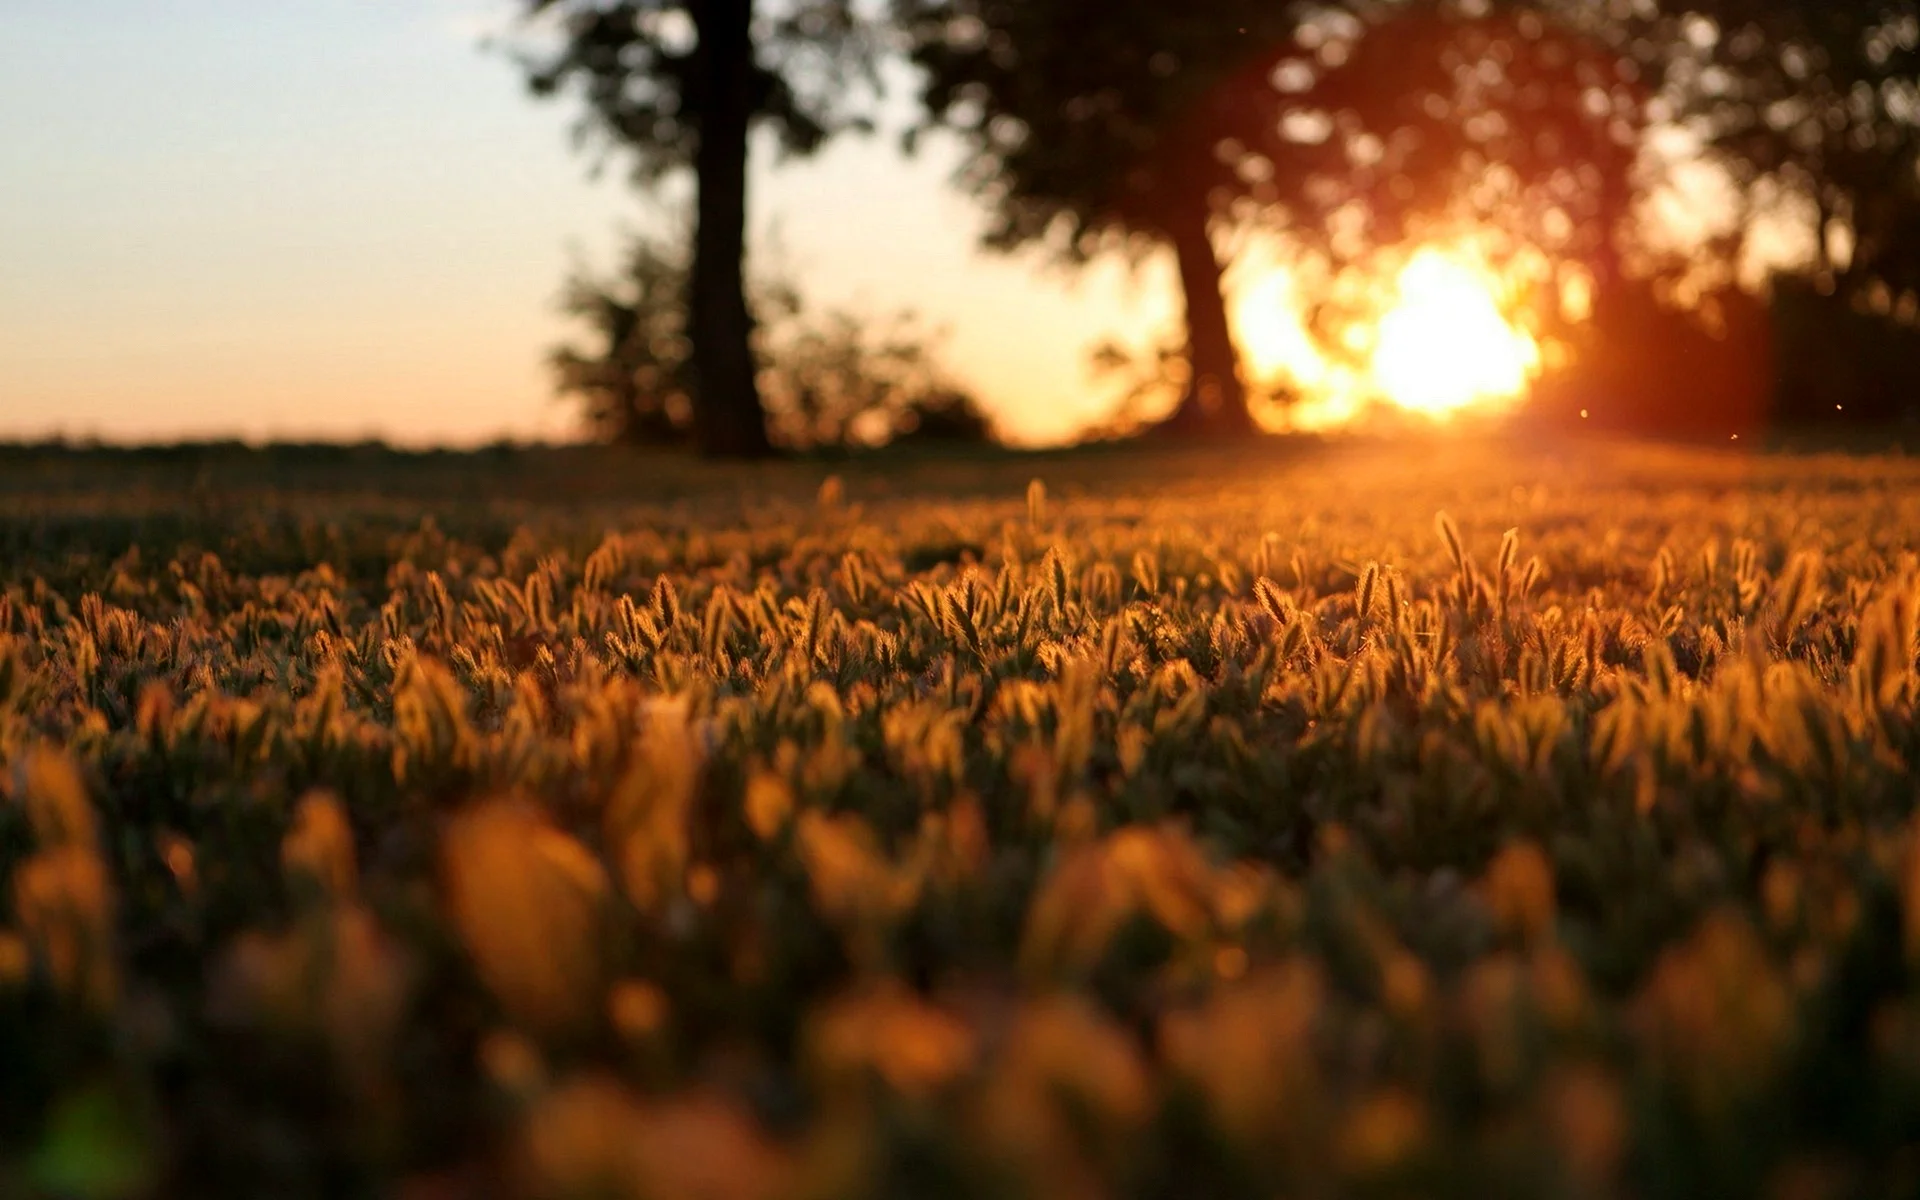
(1090, 127)
(639, 66)
(1081, 130)
(535, 825)
(831, 379)
(1818, 103)
(1526, 118)
(634, 381)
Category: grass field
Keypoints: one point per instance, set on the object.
(1440, 819)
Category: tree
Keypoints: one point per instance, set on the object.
(1092, 125)
(831, 378)
(1818, 101)
(1536, 118)
(678, 85)
(1814, 109)
(1531, 125)
(634, 382)
(1525, 118)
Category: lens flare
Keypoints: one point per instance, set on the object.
(1445, 345)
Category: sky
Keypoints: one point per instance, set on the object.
(346, 218)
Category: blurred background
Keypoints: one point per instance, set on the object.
(741, 225)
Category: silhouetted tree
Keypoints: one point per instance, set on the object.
(1092, 125)
(1531, 122)
(830, 378)
(1815, 109)
(634, 380)
(1528, 118)
(1818, 100)
(679, 85)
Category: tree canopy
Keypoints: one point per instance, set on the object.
(1527, 118)
(1818, 104)
(1095, 125)
(1133, 126)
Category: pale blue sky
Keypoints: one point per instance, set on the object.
(341, 217)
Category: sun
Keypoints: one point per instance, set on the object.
(1444, 345)
(1428, 330)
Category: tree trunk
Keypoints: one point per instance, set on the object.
(729, 419)
(1216, 398)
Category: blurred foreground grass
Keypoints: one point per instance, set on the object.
(1449, 818)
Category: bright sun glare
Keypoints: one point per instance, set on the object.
(1445, 345)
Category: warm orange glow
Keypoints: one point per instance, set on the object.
(1432, 332)
(1445, 346)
